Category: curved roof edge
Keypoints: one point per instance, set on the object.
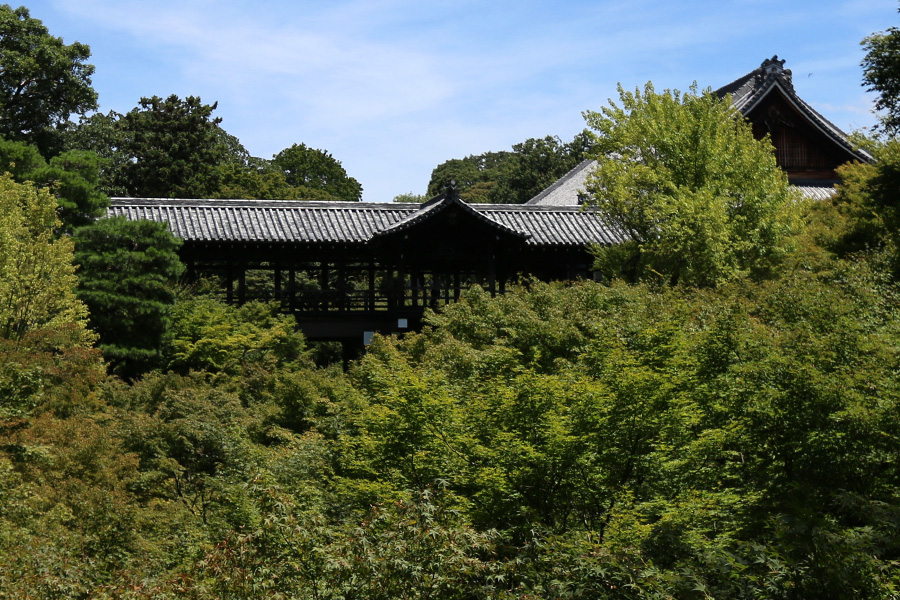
(437, 205)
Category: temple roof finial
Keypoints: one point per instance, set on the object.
(452, 192)
(773, 67)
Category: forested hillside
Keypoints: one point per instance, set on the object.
(718, 419)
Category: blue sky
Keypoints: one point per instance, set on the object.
(392, 88)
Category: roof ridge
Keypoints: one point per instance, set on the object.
(258, 203)
(321, 223)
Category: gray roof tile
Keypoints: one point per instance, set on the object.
(311, 222)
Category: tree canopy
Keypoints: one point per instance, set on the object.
(702, 200)
(313, 169)
(169, 148)
(127, 270)
(537, 163)
(511, 177)
(72, 176)
(37, 275)
(176, 148)
(42, 80)
(881, 74)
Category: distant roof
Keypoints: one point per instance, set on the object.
(566, 190)
(316, 222)
(816, 192)
(748, 91)
(569, 189)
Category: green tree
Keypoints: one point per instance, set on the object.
(172, 148)
(474, 175)
(20, 159)
(538, 162)
(511, 177)
(175, 148)
(37, 277)
(702, 201)
(73, 177)
(731, 440)
(881, 74)
(126, 273)
(161, 148)
(305, 167)
(207, 335)
(259, 180)
(409, 197)
(102, 134)
(42, 80)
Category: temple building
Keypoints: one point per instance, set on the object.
(807, 145)
(349, 269)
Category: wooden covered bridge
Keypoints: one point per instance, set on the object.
(348, 269)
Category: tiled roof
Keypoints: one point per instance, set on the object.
(312, 222)
(553, 225)
(253, 221)
(816, 192)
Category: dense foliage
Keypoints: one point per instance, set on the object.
(73, 177)
(37, 277)
(582, 441)
(316, 170)
(175, 148)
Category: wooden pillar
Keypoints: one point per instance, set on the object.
(371, 299)
(492, 275)
(402, 287)
(292, 290)
(389, 286)
(229, 284)
(323, 285)
(342, 300)
(242, 286)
